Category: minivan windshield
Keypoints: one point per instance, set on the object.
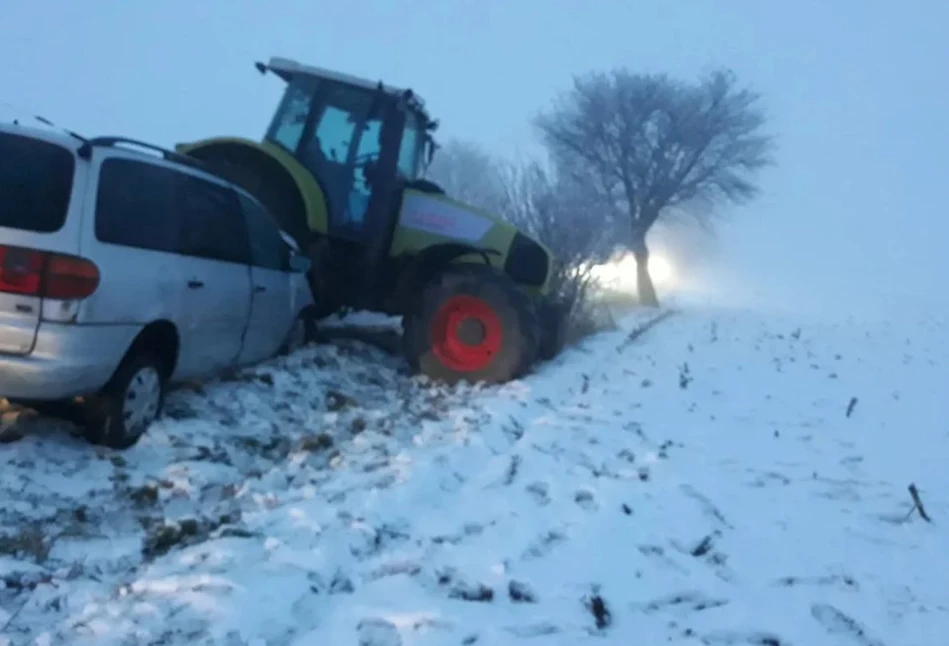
(36, 179)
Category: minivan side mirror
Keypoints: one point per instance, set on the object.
(298, 263)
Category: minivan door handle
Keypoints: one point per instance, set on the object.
(195, 284)
(259, 288)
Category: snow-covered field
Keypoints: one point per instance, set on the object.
(723, 478)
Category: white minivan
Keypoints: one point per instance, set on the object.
(125, 268)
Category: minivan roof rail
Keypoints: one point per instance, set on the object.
(86, 149)
(41, 119)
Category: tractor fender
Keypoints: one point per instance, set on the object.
(428, 263)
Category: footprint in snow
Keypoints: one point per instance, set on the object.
(836, 622)
(768, 478)
(585, 499)
(378, 632)
(543, 545)
(844, 582)
(539, 492)
(684, 603)
(658, 555)
(736, 638)
(533, 630)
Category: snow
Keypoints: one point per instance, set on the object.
(698, 483)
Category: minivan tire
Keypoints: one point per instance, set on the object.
(119, 415)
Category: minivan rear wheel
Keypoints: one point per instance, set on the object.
(123, 410)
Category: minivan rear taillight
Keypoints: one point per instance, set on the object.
(46, 274)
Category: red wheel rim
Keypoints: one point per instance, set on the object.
(446, 337)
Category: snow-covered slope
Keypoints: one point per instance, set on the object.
(723, 478)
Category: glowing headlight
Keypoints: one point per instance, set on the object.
(660, 269)
(621, 274)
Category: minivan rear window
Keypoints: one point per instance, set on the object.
(35, 183)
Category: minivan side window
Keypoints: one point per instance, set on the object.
(36, 179)
(135, 205)
(267, 247)
(213, 224)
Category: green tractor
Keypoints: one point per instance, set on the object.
(340, 168)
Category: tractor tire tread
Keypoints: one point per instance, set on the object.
(477, 280)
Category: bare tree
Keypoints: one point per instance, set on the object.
(652, 146)
(468, 173)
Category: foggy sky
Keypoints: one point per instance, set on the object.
(857, 91)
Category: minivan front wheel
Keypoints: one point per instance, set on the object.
(120, 414)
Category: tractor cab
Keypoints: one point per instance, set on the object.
(360, 140)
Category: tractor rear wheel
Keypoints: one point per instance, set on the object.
(471, 323)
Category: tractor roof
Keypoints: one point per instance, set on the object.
(285, 68)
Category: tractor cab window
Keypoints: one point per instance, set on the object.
(370, 147)
(290, 120)
(342, 139)
(370, 144)
(333, 135)
(334, 130)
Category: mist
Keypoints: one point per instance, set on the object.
(851, 219)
